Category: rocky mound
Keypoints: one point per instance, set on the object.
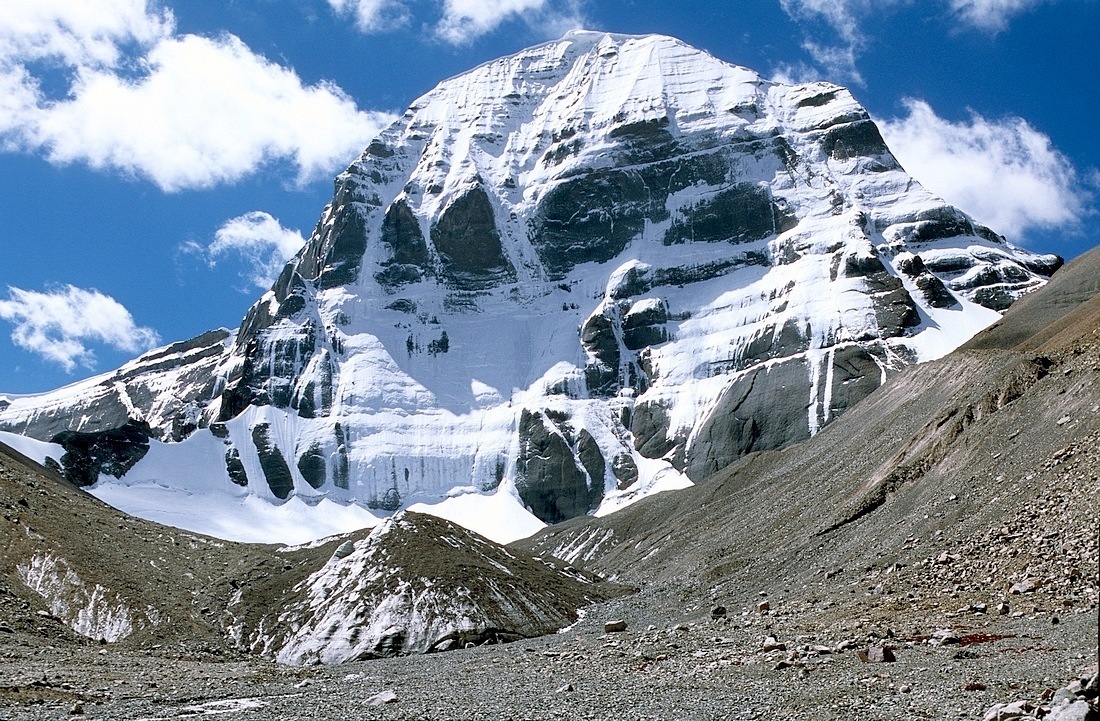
(415, 584)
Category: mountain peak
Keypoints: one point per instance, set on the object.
(602, 267)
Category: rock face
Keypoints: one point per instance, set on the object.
(571, 275)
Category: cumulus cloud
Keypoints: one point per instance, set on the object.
(466, 20)
(183, 111)
(1005, 173)
(79, 32)
(259, 240)
(373, 15)
(844, 18)
(838, 54)
(462, 21)
(991, 15)
(60, 324)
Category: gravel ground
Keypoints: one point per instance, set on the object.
(691, 667)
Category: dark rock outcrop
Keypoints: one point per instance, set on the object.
(274, 465)
(550, 479)
(468, 243)
(112, 452)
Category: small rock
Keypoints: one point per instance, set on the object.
(718, 612)
(617, 626)
(771, 644)
(943, 637)
(877, 654)
(1075, 711)
(904, 689)
(1064, 420)
(1061, 696)
(385, 697)
(979, 607)
(1003, 609)
(1025, 586)
(344, 550)
(77, 709)
(763, 607)
(1007, 711)
(567, 688)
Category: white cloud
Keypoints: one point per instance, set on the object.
(184, 111)
(991, 15)
(59, 324)
(373, 15)
(844, 18)
(260, 241)
(465, 20)
(841, 15)
(1004, 172)
(838, 55)
(79, 32)
(838, 61)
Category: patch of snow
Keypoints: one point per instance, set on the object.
(244, 518)
(498, 516)
(37, 451)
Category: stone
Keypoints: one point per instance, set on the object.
(344, 550)
(944, 637)
(1008, 711)
(763, 607)
(380, 699)
(741, 213)
(771, 644)
(1028, 585)
(234, 467)
(1072, 711)
(718, 612)
(112, 451)
(877, 654)
(313, 466)
(565, 689)
(617, 626)
(550, 478)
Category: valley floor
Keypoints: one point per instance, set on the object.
(687, 665)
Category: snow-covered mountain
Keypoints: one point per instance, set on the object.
(564, 280)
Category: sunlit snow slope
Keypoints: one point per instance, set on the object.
(564, 280)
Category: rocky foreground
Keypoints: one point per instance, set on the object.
(796, 660)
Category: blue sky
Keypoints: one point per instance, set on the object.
(159, 158)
